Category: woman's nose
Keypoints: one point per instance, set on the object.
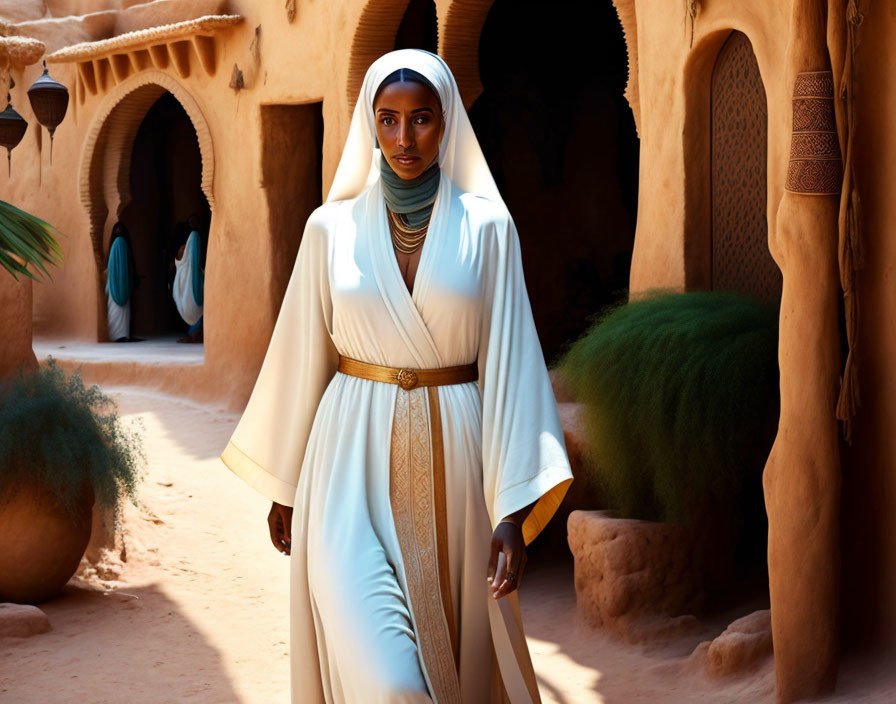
(405, 135)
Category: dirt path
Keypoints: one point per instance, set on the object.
(199, 613)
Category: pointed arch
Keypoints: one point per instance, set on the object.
(374, 36)
(104, 173)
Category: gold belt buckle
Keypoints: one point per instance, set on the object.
(407, 379)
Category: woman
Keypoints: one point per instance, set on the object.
(418, 488)
(188, 288)
(121, 280)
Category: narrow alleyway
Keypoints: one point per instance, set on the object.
(199, 611)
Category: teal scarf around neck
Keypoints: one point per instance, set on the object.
(413, 198)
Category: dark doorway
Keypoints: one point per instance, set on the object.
(560, 140)
(165, 183)
(419, 27)
(291, 165)
(741, 261)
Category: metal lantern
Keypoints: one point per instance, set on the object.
(12, 129)
(49, 100)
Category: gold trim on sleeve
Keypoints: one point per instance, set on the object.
(257, 476)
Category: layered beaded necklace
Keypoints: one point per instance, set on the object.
(406, 239)
(409, 205)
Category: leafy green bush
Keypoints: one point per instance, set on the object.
(681, 404)
(66, 437)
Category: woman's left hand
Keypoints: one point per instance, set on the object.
(508, 559)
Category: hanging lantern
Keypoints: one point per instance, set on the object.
(12, 129)
(49, 100)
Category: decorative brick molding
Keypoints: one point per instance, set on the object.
(815, 166)
(107, 63)
(460, 28)
(106, 154)
(374, 36)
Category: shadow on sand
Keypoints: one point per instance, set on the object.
(608, 670)
(103, 649)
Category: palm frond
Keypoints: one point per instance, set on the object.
(26, 240)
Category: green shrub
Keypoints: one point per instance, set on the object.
(66, 437)
(681, 404)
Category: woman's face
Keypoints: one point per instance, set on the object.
(409, 127)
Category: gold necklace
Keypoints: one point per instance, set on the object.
(405, 239)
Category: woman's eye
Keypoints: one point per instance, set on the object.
(386, 120)
(421, 120)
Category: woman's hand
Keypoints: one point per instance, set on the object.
(279, 523)
(508, 559)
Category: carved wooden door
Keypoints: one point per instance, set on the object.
(741, 261)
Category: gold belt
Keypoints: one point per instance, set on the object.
(409, 378)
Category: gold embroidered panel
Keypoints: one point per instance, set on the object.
(416, 493)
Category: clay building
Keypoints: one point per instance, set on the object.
(765, 133)
(752, 154)
(238, 111)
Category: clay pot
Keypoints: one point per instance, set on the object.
(632, 576)
(40, 544)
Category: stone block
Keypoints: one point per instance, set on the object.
(742, 646)
(21, 621)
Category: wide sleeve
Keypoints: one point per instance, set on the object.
(523, 453)
(268, 444)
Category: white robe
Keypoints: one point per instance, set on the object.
(118, 317)
(354, 636)
(182, 289)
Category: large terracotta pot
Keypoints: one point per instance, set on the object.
(40, 545)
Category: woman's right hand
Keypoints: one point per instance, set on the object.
(279, 523)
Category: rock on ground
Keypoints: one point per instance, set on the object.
(743, 645)
(22, 620)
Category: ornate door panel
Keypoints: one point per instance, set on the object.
(741, 261)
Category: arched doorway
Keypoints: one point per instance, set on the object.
(560, 140)
(419, 27)
(105, 170)
(740, 258)
(165, 186)
(385, 25)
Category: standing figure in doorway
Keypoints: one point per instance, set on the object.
(121, 279)
(189, 282)
(403, 422)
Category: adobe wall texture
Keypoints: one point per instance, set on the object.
(810, 530)
(869, 491)
(320, 56)
(15, 322)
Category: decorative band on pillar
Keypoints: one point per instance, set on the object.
(815, 163)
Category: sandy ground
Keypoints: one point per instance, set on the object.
(199, 613)
(162, 350)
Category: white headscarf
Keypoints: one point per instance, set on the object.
(460, 156)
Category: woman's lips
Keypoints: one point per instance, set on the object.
(406, 159)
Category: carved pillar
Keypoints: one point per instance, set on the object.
(802, 476)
